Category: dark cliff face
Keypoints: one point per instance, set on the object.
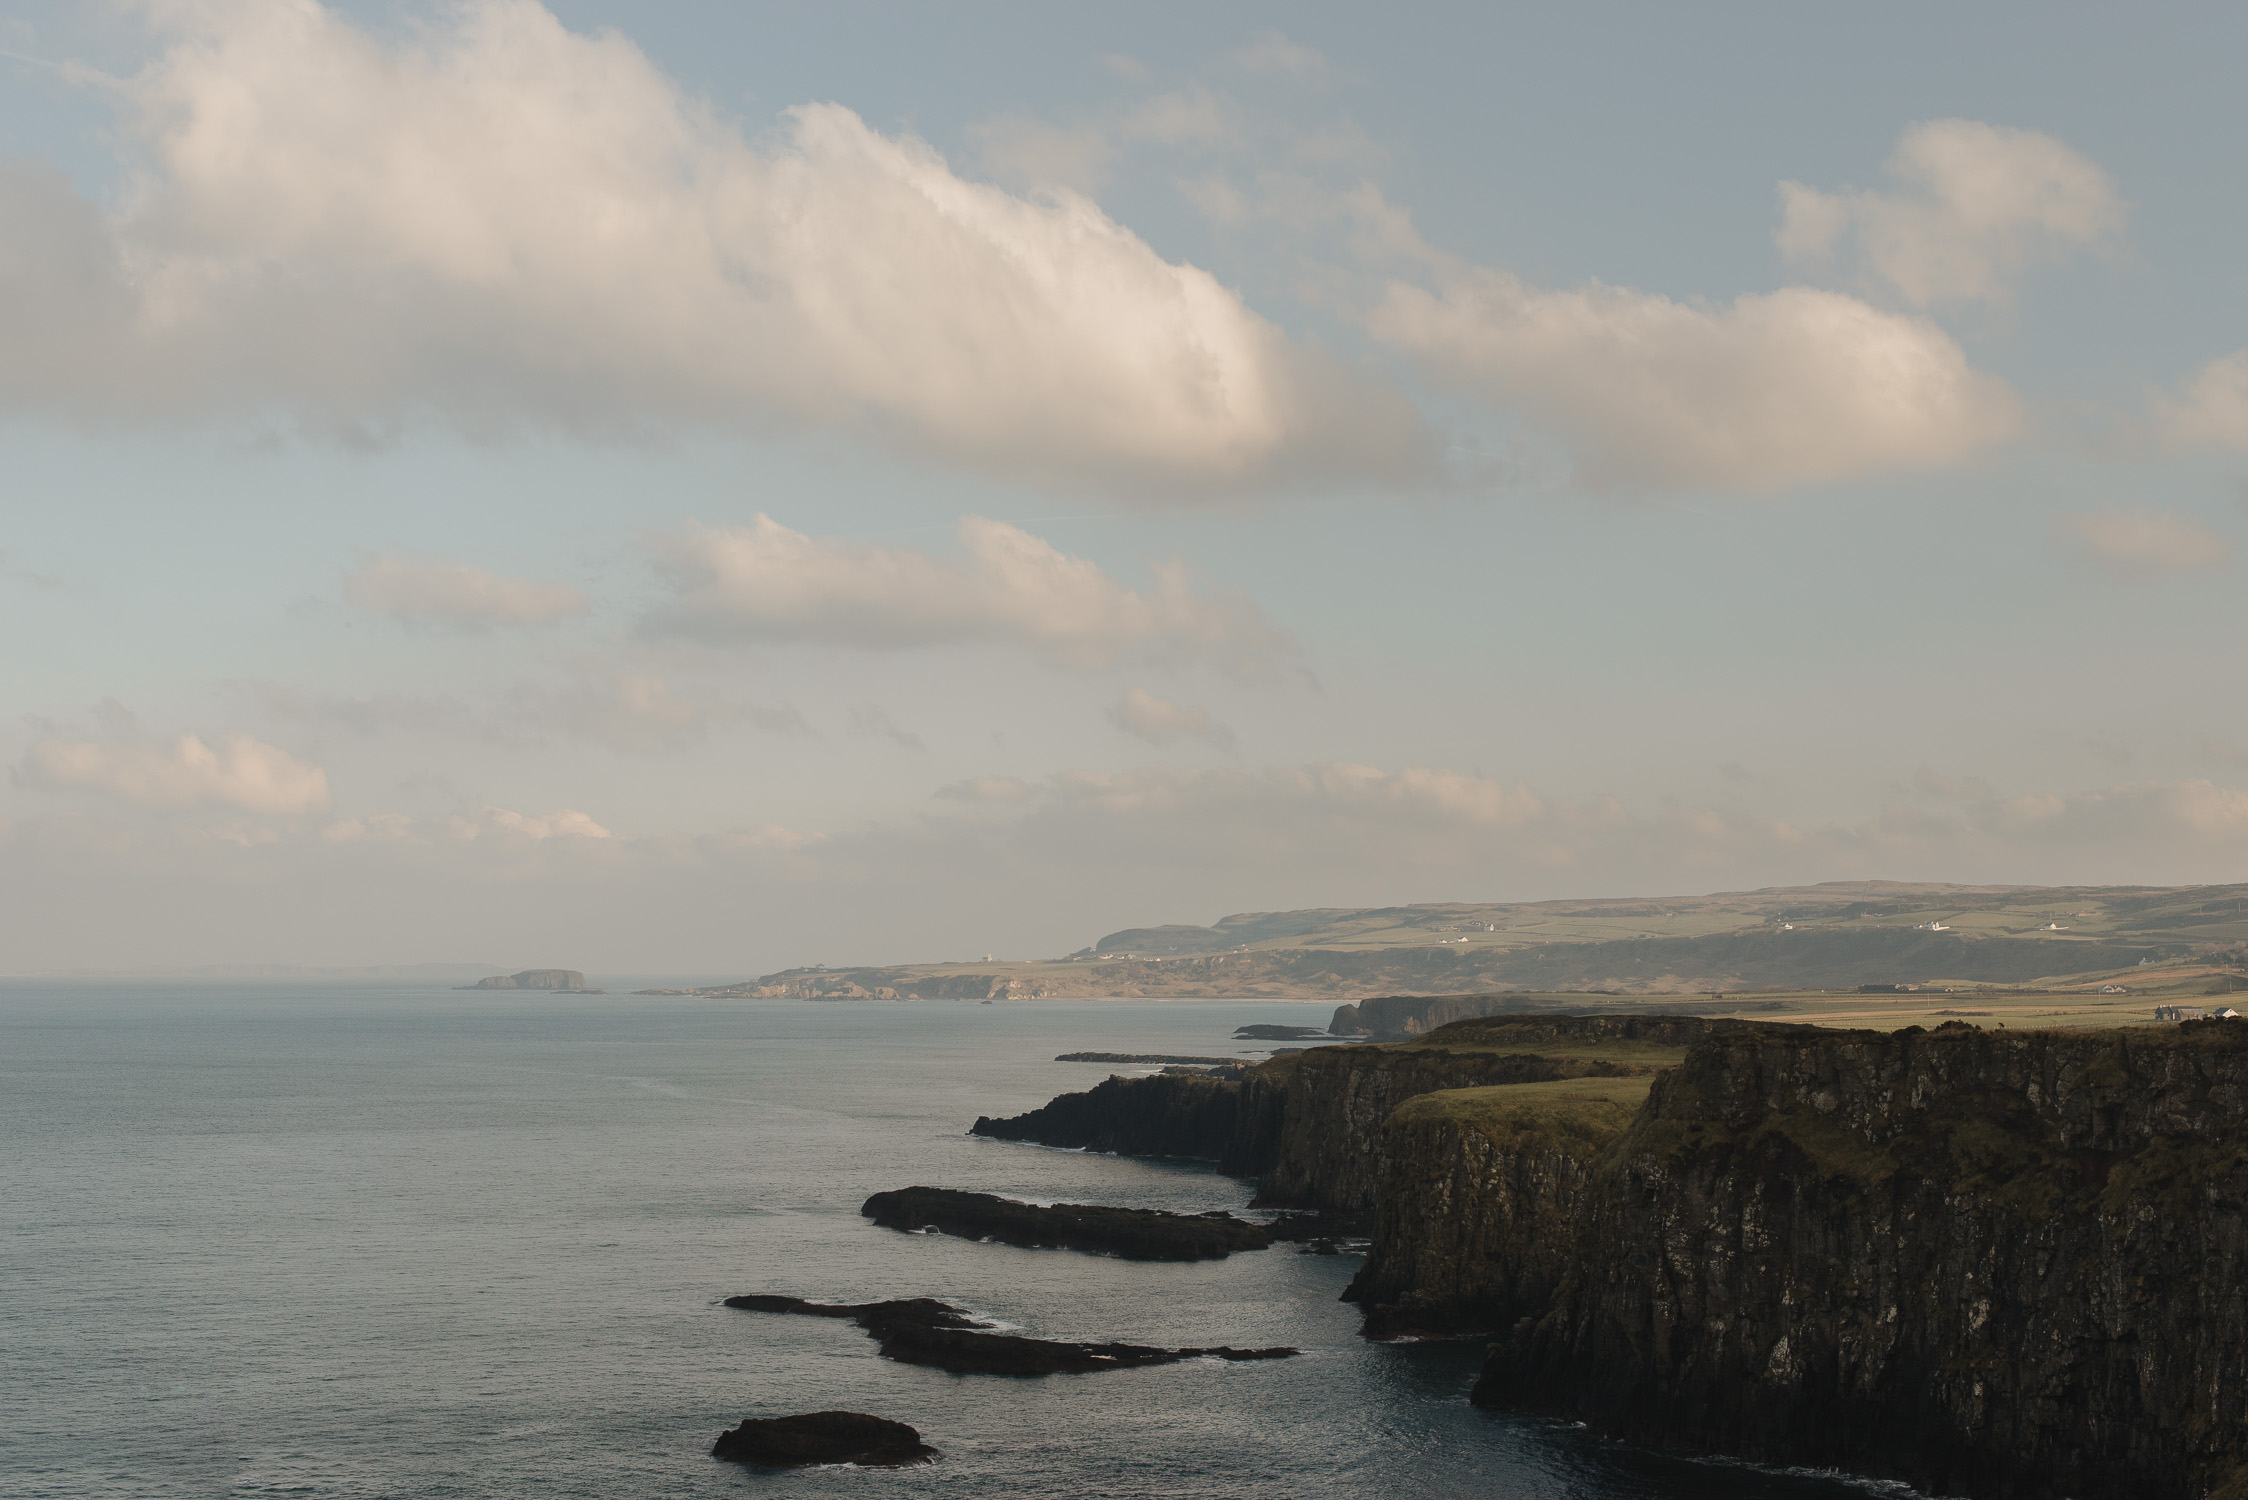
(1168, 1115)
(1987, 1264)
(1473, 1186)
(1306, 1125)
(1330, 1106)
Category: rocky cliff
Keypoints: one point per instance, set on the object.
(1306, 1124)
(1172, 1114)
(1471, 1185)
(1987, 1264)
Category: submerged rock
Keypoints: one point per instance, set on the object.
(1262, 1032)
(924, 1331)
(823, 1437)
(1131, 1233)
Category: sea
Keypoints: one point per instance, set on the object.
(363, 1240)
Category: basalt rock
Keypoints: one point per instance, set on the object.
(823, 1437)
(1305, 1124)
(1171, 1115)
(2007, 1265)
(923, 1331)
(1130, 1233)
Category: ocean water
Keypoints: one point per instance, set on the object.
(354, 1241)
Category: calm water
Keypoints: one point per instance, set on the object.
(349, 1241)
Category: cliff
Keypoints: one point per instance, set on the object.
(1306, 1124)
(1987, 1264)
(1471, 1185)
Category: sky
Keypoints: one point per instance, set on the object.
(711, 488)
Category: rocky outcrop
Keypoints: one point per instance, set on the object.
(1171, 1115)
(823, 1437)
(533, 979)
(1128, 1233)
(1149, 1057)
(924, 1331)
(1987, 1264)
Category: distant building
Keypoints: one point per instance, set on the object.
(2189, 1013)
(1931, 927)
(2227, 1014)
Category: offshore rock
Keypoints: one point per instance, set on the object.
(923, 1331)
(823, 1437)
(1987, 1264)
(1129, 1233)
(533, 979)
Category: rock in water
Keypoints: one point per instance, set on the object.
(1131, 1233)
(924, 1331)
(822, 1437)
(533, 979)
(1262, 1032)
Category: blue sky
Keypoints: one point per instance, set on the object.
(699, 488)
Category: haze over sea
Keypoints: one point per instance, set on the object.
(357, 1241)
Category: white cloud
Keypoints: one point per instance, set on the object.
(437, 591)
(621, 706)
(469, 825)
(1160, 721)
(496, 220)
(485, 822)
(2143, 544)
(2212, 411)
(1270, 52)
(764, 582)
(1973, 204)
(238, 772)
(1789, 387)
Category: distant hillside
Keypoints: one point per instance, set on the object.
(1808, 937)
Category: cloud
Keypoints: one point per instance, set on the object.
(238, 772)
(1271, 53)
(1160, 721)
(874, 723)
(764, 582)
(2145, 544)
(2212, 411)
(436, 591)
(1971, 206)
(1789, 387)
(483, 822)
(624, 708)
(493, 221)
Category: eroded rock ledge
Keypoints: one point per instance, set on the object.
(1129, 1233)
(924, 1331)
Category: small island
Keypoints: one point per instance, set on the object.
(535, 979)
